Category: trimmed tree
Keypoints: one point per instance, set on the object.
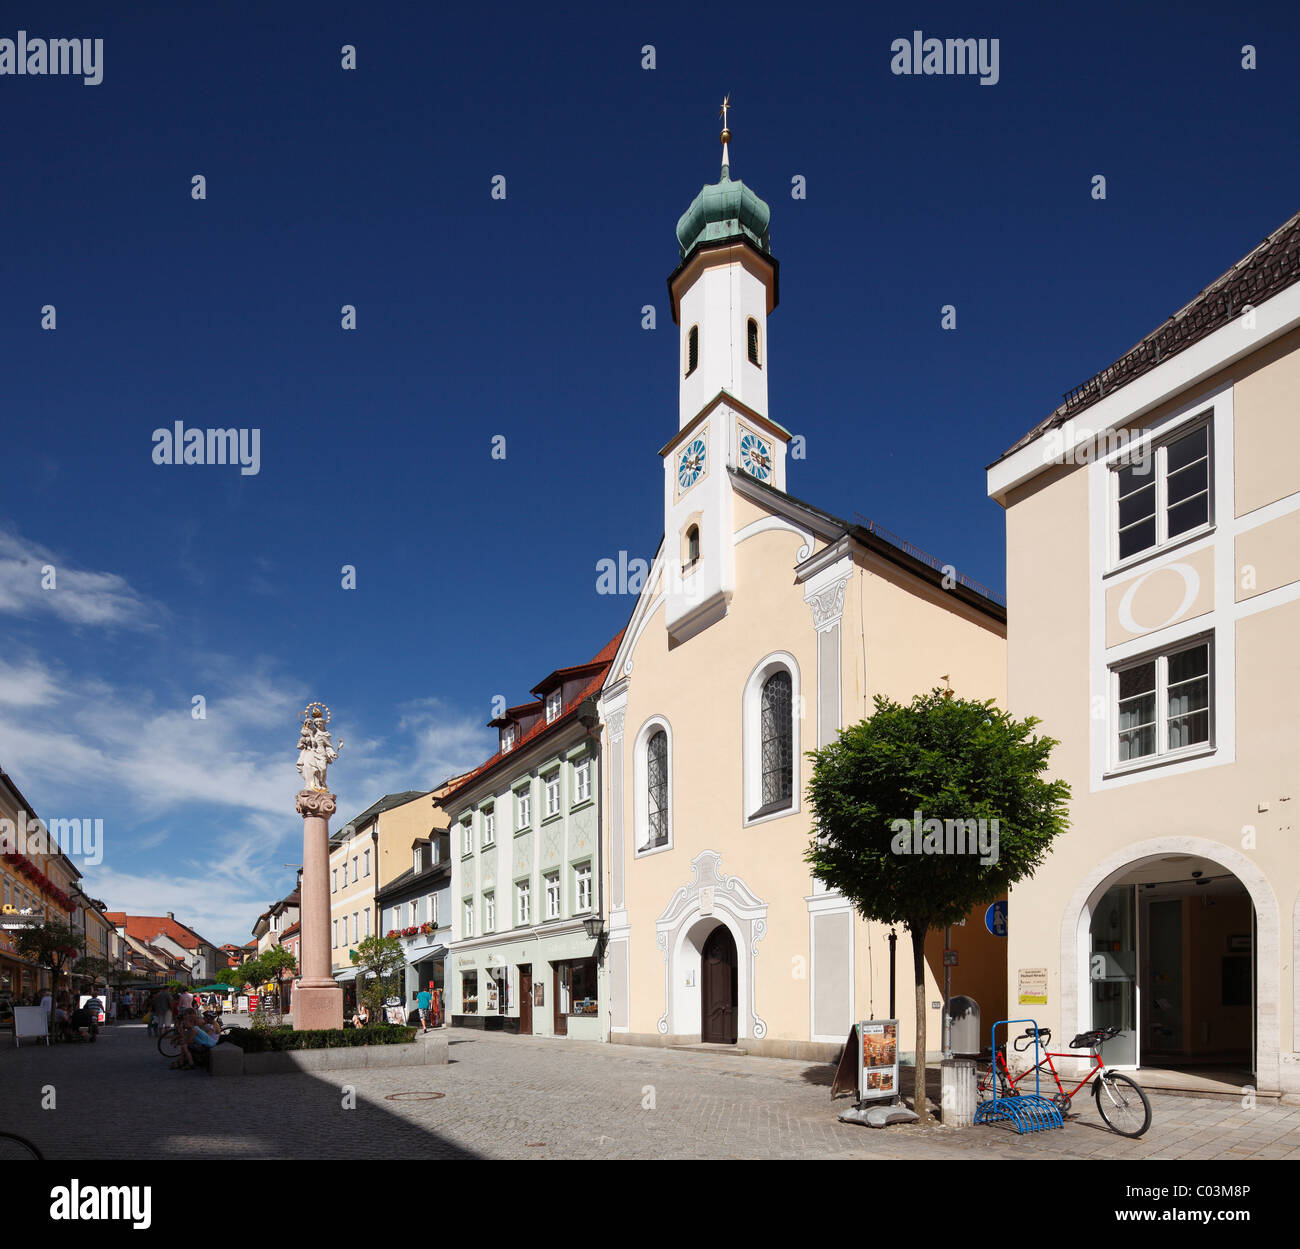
(51, 944)
(924, 811)
(380, 962)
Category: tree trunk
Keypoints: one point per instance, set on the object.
(918, 929)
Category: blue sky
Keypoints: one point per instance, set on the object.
(520, 317)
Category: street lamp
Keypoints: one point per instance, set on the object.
(594, 927)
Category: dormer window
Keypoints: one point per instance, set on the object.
(507, 738)
(692, 350)
(751, 336)
(553, 703)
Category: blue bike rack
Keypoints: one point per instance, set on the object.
(1030, 1112)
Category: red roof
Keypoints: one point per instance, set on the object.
(603, 660)
(146, 927)
(288, 932)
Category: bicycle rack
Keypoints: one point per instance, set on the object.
(1030, 1112)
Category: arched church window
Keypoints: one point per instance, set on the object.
(778, 740)
(692, 544)
(752, 337)
(657, 790)
(692, 350)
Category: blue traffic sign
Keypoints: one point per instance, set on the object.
(995, 919)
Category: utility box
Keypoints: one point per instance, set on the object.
(964, 1024)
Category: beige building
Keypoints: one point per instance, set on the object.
(367, 853)
(1153, 572)
(764, 626)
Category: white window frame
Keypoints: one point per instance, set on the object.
(523, 808)
(433, 909)
(554, 705)
(523, 903)
(582, 781)
(467, 918)
(551, 790)
(366, 913)
(507, 739)
(365, 864)
(640, 781)
(334, 937)
(1161, 657)
(335, 887)
(466, 838)
(356, 927)
(752, 739)
(1157, 447)
(581, 887)
(490, 911)
(489, 825)
(356, 876)
(553, 902)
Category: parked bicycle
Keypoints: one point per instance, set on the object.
(14, 1148)
(169, 1043)
(1121, 1101)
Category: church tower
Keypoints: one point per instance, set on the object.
(721, 294)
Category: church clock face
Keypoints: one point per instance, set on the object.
(755, 456)
(690, 465)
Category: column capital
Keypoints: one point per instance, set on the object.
(318, 802)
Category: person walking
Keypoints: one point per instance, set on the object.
(424, 1000)
(162, 1008)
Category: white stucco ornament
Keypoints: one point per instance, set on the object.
(315, 750)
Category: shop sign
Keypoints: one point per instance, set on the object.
(395, 1014)
(877, 1059)
(1032, 986)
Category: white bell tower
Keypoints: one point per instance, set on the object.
(721, 294)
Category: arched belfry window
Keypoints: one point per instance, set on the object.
(692, 544)
(692, 350)
(751, 335)
(770, 738)
(776, 727)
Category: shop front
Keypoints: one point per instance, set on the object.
(540, 986)
(425, 962)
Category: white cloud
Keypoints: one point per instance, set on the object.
(77, 596)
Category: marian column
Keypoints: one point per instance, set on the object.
(318, 999)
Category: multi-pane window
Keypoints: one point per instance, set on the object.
(553, 895)
(582, 881)
(692, 350)
(777, 729)
(523, 808)
(1163, 703)
(657, 790)
(365, 864)
(466, 838)
(507, 738)
(553, 704)
(1164, 495)
(489, 912)
(553, 794)
(432, 907)
(366, 913)
(356, 927)
(582, 781)
(469, 919)
(523, 902)
(489, 825)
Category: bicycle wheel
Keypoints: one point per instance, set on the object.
(169, 1044)
(17, 1149)
(990, 1082)
(1122, 1104)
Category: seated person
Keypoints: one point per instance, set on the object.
(361, 1018)
(197, 1036)
(84, 1017)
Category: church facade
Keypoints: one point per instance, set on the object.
(764, 626)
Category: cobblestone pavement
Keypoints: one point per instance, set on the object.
(523, 1097)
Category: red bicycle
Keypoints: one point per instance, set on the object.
(1121, 1101)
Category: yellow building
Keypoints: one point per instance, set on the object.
(1153, 571)
(764, 625)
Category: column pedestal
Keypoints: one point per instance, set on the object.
(318, 999)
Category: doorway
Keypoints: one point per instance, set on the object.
(719, 984)
(526, 999)
(1172, 956)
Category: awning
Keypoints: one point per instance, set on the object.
(349, 974)
(418, 953)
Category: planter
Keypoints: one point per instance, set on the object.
(431, 1051)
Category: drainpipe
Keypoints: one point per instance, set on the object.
(893, 949)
